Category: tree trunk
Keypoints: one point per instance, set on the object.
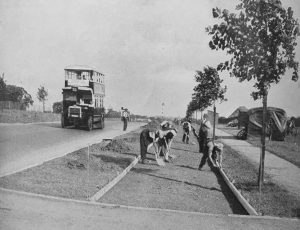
(43, 106)
(214, 127)
(263, 142)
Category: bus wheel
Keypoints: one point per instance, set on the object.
(90, 123)
(102, 123)
(63, 122)
(77, 125)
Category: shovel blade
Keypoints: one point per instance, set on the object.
(160, 162)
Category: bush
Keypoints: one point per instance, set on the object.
(57, 107)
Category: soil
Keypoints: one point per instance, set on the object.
(178, 185)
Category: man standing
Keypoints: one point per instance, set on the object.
(205, 139)
(124, 117)
(186, 131)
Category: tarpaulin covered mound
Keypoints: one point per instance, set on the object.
(276, 122)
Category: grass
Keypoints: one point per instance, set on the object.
(22, 116)
(273, 200)
(288, 149)
(78, 175)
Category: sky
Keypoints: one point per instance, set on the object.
(147, 49)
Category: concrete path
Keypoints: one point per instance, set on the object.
(281, 171)
(27, 211)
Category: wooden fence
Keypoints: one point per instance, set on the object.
(11, 105)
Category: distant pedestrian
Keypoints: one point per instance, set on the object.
(124, 117)
(187, 128)
(205, 140)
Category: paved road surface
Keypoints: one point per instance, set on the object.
(21, 211)
(25, 145)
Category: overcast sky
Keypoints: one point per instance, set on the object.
(148, 50)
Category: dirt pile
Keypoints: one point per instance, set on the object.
(132, 137)
(117, 145)
(154, 124)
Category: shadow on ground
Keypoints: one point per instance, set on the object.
(149, 172)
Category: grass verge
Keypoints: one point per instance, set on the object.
(288, 149)
(22, 116)
(273, 200)
(78, 175)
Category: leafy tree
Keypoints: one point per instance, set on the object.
(3, 91)
(42, 95)
(15, 94)
(261, 42)
(208, 90)
(2, 83)
(57, 107)
(26, 99)
(113, 114)
(192, 106)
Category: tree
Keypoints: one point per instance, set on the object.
(209, 87)
(2, 83)
(113, 114)
(260, 40)
(14, 93)
(3, 91)
(208, 90)
(42, 95)
(26, 99)
(57, 107)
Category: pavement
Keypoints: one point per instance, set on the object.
(281, 171)
(20, 210)
(27, 211)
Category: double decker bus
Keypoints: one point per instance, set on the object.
(83, 97)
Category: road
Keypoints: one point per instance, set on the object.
(27, 145)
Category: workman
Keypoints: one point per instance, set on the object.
(124, 117)
(205, 140)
